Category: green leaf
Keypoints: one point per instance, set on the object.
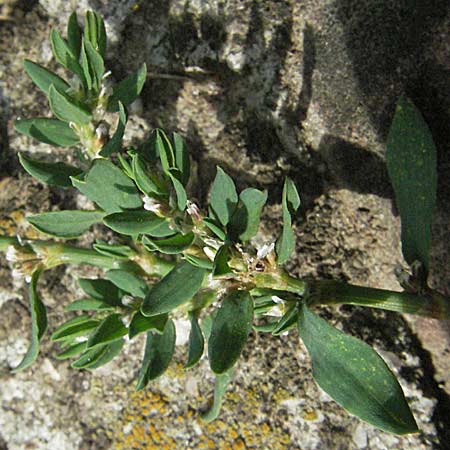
(65, 56)
(128, 282)
(86, 68)
(95, 64)
(115, 143)
(95, 32)
(38, 324)
(114, 250)
(107, 186)
(355, 376)
(215, 227)
(65, 224)
(290, 203)
(66, 108)
(288, 321)
(223, 197)
(176, 288)
(44, 78)
(267, 327)
(199, 262)
(50, 131)
(245, 221)
(159, 350)
(79, 326)
(182, 161)
(196, 342)
(56, 174)
(101, 290)
(164, 150)
(128, 90)
(109, 329)
(221, 266)
(220, 389)
(172, 245)
(133, 222)
(180, 192)
(411, 164)
(74, 35)
(143, 177)
(140, 323)
(72, 350)
(99, 355)
(162, 230)
(89, 304)
(230, 331)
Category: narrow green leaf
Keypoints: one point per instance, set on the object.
(66, 108)
(128, 90)
(172, 245)
(159, 350)
(107, 186)
(223, 197)
(196, 342)
(162, 230)
(290, 203)
(101, 290)
(411, 163)
(180, 192)
(133, 222)
(215, 227)
(221, 267)
(89, 304)
(86, 67)
(230, 331)
(56, 174)
(164, 150)
(109, 329)
(199, 262)
(44, 78)
(145, 180)
(38, 324)
(65, 224)
(220, 389)
(182, 161)
(99, 355)
(244, 223)
(269, 325)
(128, 282)
(49, 131)
(94, 31)
(114, 250)
(72, 350)
(74, 35)
(96, 65)
(140, 323)
(115, 143)
(355, 376)
(288, 321)
(79, 326)
(176, 288)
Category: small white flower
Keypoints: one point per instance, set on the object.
(276, 299)
(150, 204)
(275, 311)
(210, 253)
(11, 254)
(212, 243)
(193, 210)
(265, 250)
(127, 300)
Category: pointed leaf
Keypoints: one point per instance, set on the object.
(221, 267)
(355, 376)
(95, 32)
(128, 90)
(66, 108)
(114, 250)
(230, 331)
(220, 389)
(133, 222)
(109, 329)
(106, 185)
(182, 161)
(74, 35)
(215, 227)
(44, 78)
(245, 221)
(49, 131)
(176, 288)
(164, 150)
(38, 324)
(72, 350)
(115, 143)
(199, 262)
(196, 342)
(101, 290)
(180, 192)
(288, 321)
(223, 197)
(89, 304)
(99, 355)
(79, 326)
(86, 68)
(159, 350)
(411, 163)
(147, 183)
(128, 282)
(140, 323)
(172, 245)
(96, 65)
(56, 174)
(65, 224)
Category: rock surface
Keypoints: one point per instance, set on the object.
(266, 89)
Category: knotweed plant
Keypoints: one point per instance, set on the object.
(170, 258)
